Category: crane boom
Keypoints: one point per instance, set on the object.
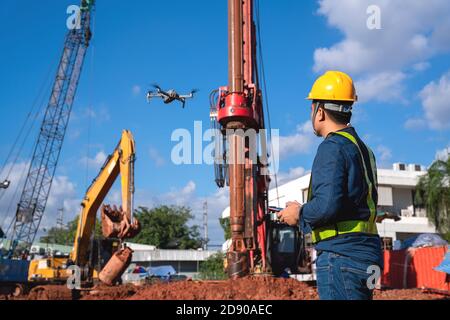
(47, 150)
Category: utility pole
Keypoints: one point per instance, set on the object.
(60, 219)
(205, 226)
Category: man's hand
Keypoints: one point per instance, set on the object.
(290, 215)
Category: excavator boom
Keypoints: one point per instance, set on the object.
(121, 161)
(116, 223)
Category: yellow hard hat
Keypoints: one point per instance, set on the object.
(334, 86)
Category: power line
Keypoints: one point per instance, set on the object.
(38, 101)
(265, 94)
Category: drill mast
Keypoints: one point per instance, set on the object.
(240, 115)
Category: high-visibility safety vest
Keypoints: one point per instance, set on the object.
(352, 226)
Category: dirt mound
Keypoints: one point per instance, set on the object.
(103, 292)
(251, 288)
(406, 294)
(51, 293)
(256, 288)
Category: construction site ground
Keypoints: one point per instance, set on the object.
(256, 288)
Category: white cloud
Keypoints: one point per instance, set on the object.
(189, 188)
(156, 157)
(443, 154)
(96, 162)
(415, 124)
(99, 114)
(384, 87)
(347, 55)
(421, 66)
(411, 33)
(11, 196)
(300, 142)
(384, 153)
(74, 134)
(436, 102)
(292, 174)
(62, 195)
(136, 90)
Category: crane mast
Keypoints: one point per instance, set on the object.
(47, 150)
(239, 113)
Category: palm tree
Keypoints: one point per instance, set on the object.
(434, 194)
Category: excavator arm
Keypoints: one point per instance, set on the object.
(121, 161)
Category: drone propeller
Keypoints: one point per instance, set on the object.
(156, 86)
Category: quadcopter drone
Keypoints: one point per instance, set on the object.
(169, 96)
(5, 184)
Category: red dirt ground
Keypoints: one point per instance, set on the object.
(257, 288)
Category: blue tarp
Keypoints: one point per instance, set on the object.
(164, 271)
(445, 265)
(424, 240)
(14, 270)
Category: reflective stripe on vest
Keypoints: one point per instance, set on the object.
(353, 226)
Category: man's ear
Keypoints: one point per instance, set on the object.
(321, 114)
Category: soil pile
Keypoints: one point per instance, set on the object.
(250, 288)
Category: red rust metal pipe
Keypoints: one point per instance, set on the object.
(235, 46)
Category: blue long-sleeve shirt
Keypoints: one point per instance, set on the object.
(339, 192)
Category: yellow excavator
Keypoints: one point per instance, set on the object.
(99, 259)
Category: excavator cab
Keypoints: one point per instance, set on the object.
(102, 250)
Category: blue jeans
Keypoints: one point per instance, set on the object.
(342, 278)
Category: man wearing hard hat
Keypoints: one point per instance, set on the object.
(342, 199)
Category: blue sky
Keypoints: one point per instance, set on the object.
(401, 72)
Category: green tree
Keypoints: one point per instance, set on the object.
(434, 195)
(167, 228)
(66, 236)
(213, 268)
(226, 226)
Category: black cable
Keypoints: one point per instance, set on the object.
(44, 88)
(265, 94)
(13, 198)
(35, 103)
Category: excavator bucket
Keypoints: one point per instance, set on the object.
(116, 266)
(115, 223)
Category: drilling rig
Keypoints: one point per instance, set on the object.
(241, 156)
(36, 190)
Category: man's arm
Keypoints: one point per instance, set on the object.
(329, 185)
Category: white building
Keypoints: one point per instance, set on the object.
(185, 262)
(396, 190)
